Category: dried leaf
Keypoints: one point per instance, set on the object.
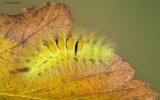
(53, 17)
(23, 40)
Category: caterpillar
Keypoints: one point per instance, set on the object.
(54, 59)
(38, 61)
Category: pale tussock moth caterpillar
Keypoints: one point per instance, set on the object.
(53, 58)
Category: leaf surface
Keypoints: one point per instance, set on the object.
(81, 82)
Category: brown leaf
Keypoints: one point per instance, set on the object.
(83, 80)
(30, 21)
(115, 83)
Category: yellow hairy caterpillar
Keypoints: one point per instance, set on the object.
(54, 57)
(42, 58)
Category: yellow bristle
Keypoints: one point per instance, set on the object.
(81, 44)
(61, 43)
(71, 44)
(52, 46)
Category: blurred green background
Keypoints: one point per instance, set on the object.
(134, 25)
